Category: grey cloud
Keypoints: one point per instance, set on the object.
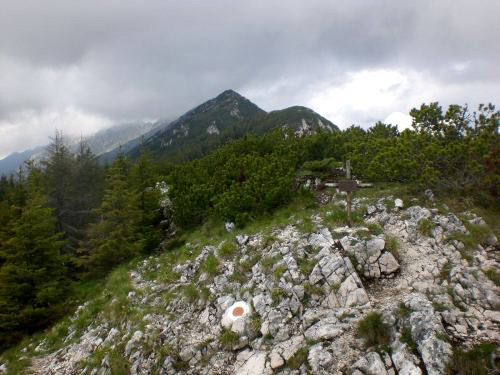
(129, 59)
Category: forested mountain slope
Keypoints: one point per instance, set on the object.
(227, 117)
(139, 263)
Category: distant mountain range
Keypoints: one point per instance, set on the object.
(101, 142)
(219, 120)
(193, 135)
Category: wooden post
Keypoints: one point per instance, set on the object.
(349, 195)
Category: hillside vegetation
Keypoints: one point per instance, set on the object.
(65, 224)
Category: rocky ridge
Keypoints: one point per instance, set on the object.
(307, 290)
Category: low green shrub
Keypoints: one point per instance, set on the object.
(191, 292)
(403, 311)
(211, 265)
(373, 330)
(407, 338)
(228, 339)
(425, 227)
(227, 249)
(375, 229)
(392, 245)
(477, 360)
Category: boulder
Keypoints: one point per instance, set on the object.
(320, 359)
(371, 364)
(250, 362)
(325, 329)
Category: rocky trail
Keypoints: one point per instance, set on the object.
(289, 302)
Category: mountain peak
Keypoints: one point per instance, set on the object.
(229, 93)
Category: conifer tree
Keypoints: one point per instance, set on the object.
(87, 187)
(143, 177)
(115, 237)
(33, 284)
(59, 170)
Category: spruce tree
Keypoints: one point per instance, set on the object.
(115, 237)
(59, 171)
(143, 177)
(33, 284)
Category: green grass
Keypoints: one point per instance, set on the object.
(354, 260)
(268, 240)
(105, 297)
(211, 265)
(243, 268)
(403, 311)
(336, 216)
(14, 360)
(118, 363)
(247, 265)
(279, 271)
(306, 225)
(438, 306)
(444, 273)
(474, 361)
(313, 290)
(298, 359)
(277, 294)
(493, 275)
(255, 324)
(363, 234)
(389, 203)
(375, 229)
(205, 293)
(306, 265)
(191, 292)
(478, 233)
(407, 338)
(228, 339)
(373, 330)
(406, 192)
(425, 227)
(476, 236)
(392, 246)
(238, 276)
(227, 250)
(268, 262)
(335, 287)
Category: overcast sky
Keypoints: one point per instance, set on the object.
(81, 66)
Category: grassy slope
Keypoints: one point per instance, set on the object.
(109, 297)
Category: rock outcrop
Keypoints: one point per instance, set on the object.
(305, 294)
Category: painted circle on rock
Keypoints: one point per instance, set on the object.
(238, 311)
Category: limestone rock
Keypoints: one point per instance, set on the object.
(136, 338)
(398, 203)
(371, 364)
(325, 329)
(249, 362)
(320, 359)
